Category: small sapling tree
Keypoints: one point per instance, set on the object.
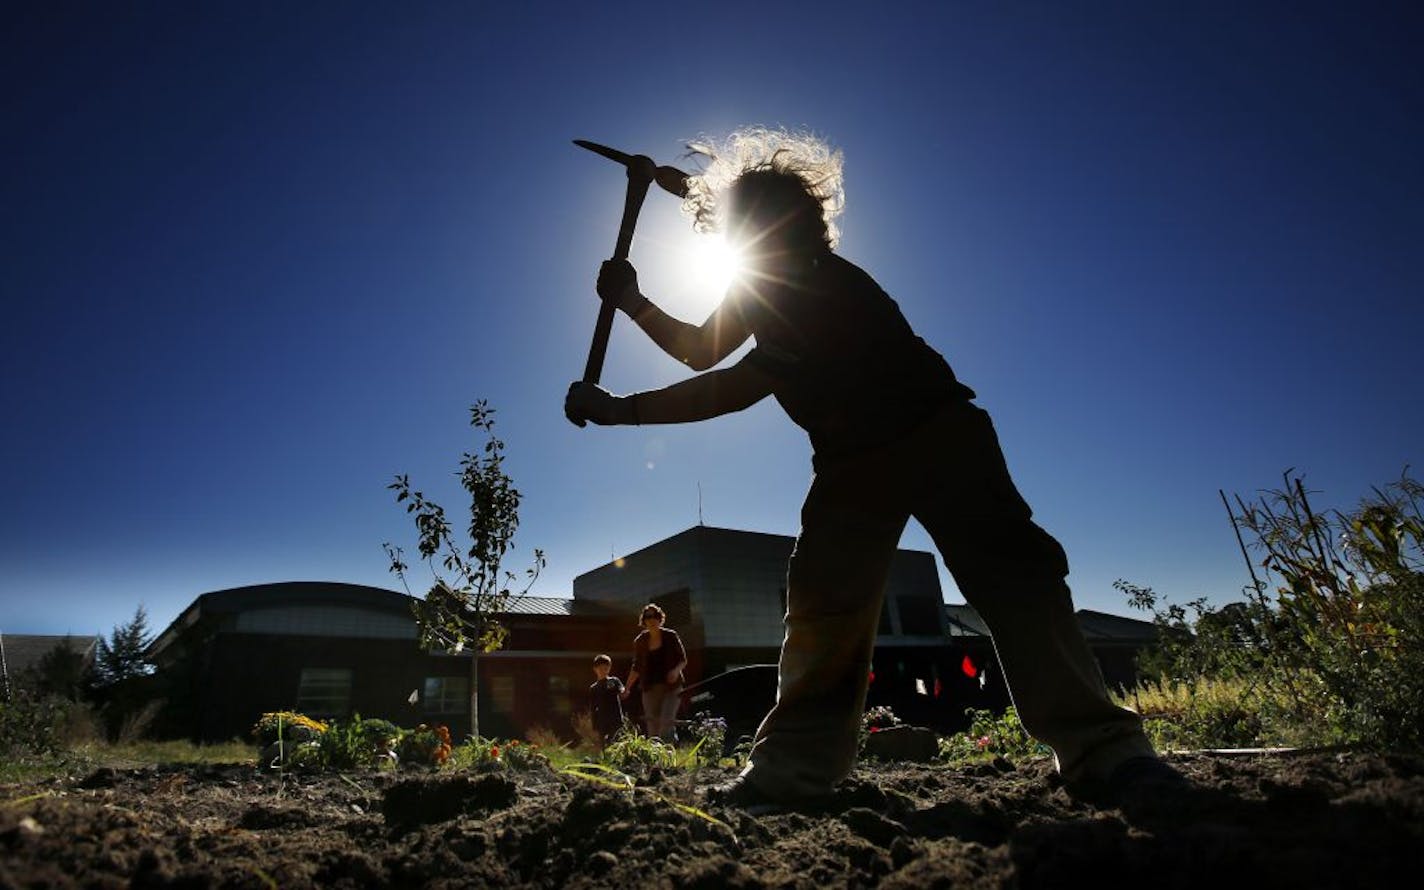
(471, 589)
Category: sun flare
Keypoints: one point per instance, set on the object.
(715, 263)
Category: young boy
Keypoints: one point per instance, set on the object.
(894, 435)
(605, 699)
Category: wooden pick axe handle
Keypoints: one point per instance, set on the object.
(641, 173)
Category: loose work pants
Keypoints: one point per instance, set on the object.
(951, 476)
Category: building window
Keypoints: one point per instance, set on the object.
(324, 692)
(501, 694)
(447, 695)
(559, 695)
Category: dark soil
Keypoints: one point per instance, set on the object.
(1298, 820)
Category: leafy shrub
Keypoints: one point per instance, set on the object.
(631, 749)
(711, 737)
(873, 720)
(345, 745)
(286, 725)
(381, 735)
(522, 755)
(31, 724)
(1328, 645)
(992, 735)
(425, 746)
(1207, 713)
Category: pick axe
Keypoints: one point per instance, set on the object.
(642, 172)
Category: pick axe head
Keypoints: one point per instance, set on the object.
(642, 172)
(669, 179)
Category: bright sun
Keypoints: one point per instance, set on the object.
(714, 263)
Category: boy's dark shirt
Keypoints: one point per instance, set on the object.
(605, 704)
(848, 368)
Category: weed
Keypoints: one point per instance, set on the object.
(632, 750)
(1328, 644)
(711, 735)
(992, 735)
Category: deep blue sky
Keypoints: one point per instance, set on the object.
(258, 258)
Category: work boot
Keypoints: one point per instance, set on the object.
(1134, 780)
(740, 793)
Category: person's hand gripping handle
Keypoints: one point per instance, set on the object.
(641, 173)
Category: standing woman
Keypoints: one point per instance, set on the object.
(658, 662)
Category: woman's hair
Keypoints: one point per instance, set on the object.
(652, 610)
(787, 167)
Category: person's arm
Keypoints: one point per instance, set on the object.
(700, 347)
(677, 669)
(633, 671)
(697, 398)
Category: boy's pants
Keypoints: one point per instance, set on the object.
(950, 475)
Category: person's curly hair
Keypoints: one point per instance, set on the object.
(790, 167)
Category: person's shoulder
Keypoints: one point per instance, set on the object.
(847, 273)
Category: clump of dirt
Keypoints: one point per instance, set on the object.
(439, 799)
(1344, 819)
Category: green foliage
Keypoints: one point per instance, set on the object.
(632, 750)
(873, 720)
(710, 735)
(992, 735)
(61, 672)
(121, 656)
(1209, 713)
(30, 723)
(381, 735)
(425, 746)
(519, 755)
(1328, 645)
(345, 745)
(470, 589)
(286, 725)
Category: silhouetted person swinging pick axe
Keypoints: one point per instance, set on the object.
(894, 435)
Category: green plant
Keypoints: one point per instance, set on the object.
(874, 720)
(345, 745)
(519, 755)
(286, 725)
(30, 724)
(462, 607)
(711, 738)
(425, 746)
(381, 735)
(1328, 643)
(992, 735)
(1205, 713)
(632, 749)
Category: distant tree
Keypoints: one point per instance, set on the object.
(62, 671)
(463, 606)
(121, 656)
